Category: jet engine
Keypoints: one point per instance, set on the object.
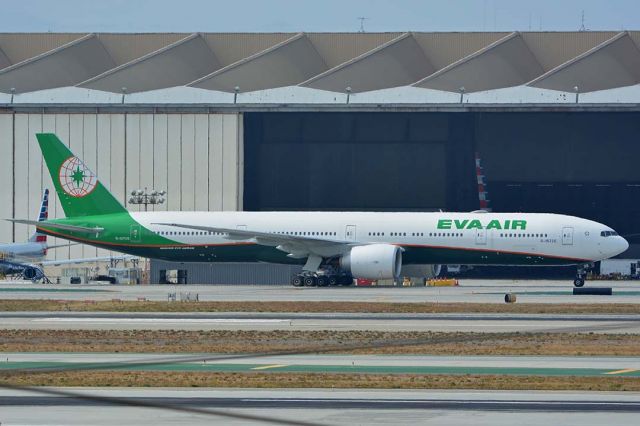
(32, 273)
(375, 261)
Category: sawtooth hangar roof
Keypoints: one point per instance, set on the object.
(316, 67)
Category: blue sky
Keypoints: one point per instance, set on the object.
(315, 16)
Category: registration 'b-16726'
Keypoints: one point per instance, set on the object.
(334, 247)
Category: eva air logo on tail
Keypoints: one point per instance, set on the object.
(75, 178)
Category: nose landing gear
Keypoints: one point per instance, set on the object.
(581, 273)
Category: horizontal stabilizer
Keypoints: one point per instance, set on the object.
(45, 224)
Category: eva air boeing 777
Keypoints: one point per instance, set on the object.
(332, 246)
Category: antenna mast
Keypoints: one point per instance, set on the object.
(362, 19)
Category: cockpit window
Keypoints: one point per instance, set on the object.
(608, 233)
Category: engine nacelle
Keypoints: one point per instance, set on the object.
(375, 261)
(32, 273)
(421, 271)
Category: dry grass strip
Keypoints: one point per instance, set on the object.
(309, 307)
(324, 380)
(255, 341)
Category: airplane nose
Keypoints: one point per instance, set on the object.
(624, 245)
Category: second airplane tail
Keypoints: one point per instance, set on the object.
(42, 215)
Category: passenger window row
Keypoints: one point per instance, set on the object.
(196, 233)
(520, 235)
(308, 233)
(188, 233)
(417, 234)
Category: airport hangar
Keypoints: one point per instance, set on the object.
(328, 121)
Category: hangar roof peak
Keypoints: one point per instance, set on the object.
(363, 62)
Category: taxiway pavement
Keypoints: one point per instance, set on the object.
(321, 406)
(328, 363)
(473, 291)
(597, 323)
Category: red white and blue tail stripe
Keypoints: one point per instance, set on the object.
(42, 215)
(483, 195)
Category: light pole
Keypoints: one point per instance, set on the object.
(142, 196)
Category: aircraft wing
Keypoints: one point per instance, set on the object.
(46, 224)
(297, 246)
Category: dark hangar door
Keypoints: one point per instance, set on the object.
(356, 161)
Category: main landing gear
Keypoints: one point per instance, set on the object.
(312, 280)
(322, 273)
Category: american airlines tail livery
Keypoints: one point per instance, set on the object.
(19, 258)
(334, 247)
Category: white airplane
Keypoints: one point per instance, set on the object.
(334, 247)
(21, 258)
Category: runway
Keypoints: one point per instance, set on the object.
(314, 363)
(322, 321)
(325, 407)
(472, 291)
(329, 406)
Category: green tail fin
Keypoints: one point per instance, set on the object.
(80, 191)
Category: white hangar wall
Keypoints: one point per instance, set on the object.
(196, 158)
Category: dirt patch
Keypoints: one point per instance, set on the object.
(360, 307)
(322, 380)
(371, 342)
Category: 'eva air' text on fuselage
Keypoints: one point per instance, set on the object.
(477, 224)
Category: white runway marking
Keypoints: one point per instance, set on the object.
(161, 320)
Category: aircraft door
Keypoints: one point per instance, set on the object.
(481, 237)
(350, 233)
(567, 236)
(134, 233)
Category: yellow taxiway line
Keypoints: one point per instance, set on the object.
(627, 370)
(265, 367)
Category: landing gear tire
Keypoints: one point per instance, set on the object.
(346, 280)
(296, 281)
(333, 280)
(322, 281)
(578, 282)
(310, 281)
